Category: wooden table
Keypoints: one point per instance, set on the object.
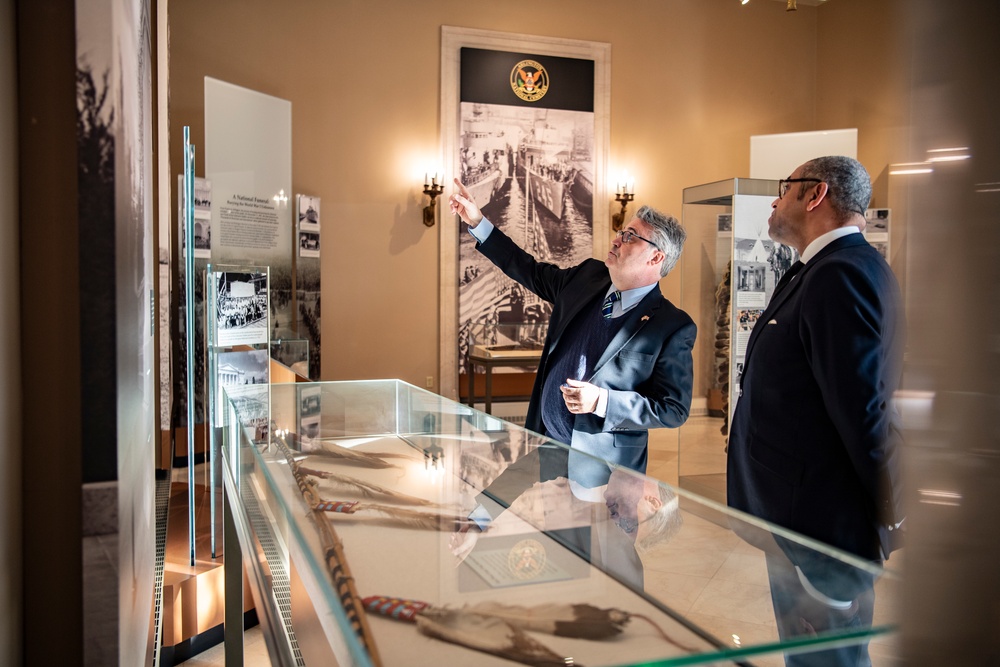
(493, 359)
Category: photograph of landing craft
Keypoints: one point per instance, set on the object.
(531, 173)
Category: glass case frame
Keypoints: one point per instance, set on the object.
(387, 444)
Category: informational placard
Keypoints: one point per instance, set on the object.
(248, 159)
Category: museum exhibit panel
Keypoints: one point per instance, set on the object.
(726, 223)
(382, 524)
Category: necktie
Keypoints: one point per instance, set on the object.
(609, 304)
(787, 277)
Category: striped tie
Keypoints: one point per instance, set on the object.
(609, 304)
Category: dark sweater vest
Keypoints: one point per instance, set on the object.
(582, 345)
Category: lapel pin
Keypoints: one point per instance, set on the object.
(645, 317)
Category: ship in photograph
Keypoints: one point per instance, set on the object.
(543, 177)
(582, 192)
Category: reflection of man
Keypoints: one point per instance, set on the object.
(642, 508)
(814, 443)
(607, 516)
(617, 355)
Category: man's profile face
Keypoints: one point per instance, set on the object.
(630, 263)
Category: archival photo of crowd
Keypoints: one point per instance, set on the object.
(241, 308)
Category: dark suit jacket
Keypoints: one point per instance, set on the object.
(647, 367)
(815, 441)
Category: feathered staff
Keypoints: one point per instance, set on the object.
(350, 456)
(480, 632)
(394, 516)
(333, 553)
(578, 621)
(366, 489)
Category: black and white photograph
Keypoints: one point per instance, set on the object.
(293, 353)
(878, 220)
(530, 169)
(725, 223)
(309, 244)
(310, 410)
(241, 308)
(308, 208)
(243, 378)
(202, 216)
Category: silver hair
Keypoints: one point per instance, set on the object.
(663, 523)
(668, 235)
(850, 186)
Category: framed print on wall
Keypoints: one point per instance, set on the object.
(525, 125)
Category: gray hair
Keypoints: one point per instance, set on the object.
(668, 235)
(662, 524)
(850, 187)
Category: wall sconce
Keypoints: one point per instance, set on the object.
(624, 193)
(432, 189)
(791, 6)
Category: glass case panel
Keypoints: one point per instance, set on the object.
(293, 353)
(714, 214)
(360, 495)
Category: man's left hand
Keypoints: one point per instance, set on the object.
(580, 397)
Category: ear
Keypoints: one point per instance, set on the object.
(819, 194)
(657, 257)
(653, 500)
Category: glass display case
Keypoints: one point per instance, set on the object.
(381, 524)
(293, 353)
(724, 220)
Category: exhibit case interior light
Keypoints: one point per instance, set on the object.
(729, 269)
(381, 524)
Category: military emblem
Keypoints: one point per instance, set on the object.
(526, 559)
(529, 80)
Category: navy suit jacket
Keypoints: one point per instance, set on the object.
(647, 367)
(815, 441)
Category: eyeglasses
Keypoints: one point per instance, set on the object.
(785, 183)
(626, 235)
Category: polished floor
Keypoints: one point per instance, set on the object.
(713, 586)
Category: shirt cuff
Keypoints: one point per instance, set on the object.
(482, 231)
(481, 517)
(602, 404)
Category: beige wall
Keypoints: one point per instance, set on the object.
(691, 81)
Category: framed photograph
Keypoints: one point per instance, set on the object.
(525, 126)
(241, 308)
(308, 208)
(308, 244)
(310, 410)
(202, 217)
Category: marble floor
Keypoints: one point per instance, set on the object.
(719, 589)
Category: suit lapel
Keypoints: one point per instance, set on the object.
(781, 297)
(635, 320)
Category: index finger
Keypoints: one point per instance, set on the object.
(462, 189)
